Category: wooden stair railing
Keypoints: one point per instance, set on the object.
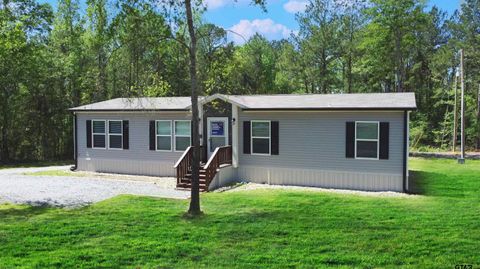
(184, 164)
(221, 155)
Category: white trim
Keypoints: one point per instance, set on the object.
(175, 135)
(189, 113)
(108, 134)
(368, 140)
(225, 135)
(223, 97)
(261, 137)
(157, 135)
(150, 112)
(104, 134)
(323, 111)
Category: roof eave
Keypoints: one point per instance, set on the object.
(334, 109)
(128, 110)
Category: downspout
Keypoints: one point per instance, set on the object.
(235, 133)
(75, 153)
(405, 150)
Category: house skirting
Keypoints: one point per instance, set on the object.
(256, 174)
(225, 176)
(309, 178)
(132, 167)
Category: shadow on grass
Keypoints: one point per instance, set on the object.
(434, 184)
(232, 218)
(417, 182)
(34, 164)
(24, 211)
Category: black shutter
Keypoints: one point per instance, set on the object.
(246, 137)
(350, 140)
(152, 135)
(126, 135)
(275, 138)
(384, 140)
(89, 133)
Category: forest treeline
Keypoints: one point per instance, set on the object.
(97, 50)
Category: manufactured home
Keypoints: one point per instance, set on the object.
(346, 141)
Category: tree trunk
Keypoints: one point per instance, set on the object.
(349, 73)
(478, 118)
(323, 72)
(102, 74)
(350, 54)
(399, 63)
(195, 191)
(4, 154)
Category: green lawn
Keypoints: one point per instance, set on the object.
(260, 229)
(63, 173)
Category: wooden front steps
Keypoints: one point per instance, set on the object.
(183, 167)
(186, 182)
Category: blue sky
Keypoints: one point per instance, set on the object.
(278, 22)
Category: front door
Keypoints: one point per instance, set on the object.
(217, 133)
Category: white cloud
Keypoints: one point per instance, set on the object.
(245, 29)
(213, 4)
(295, 6)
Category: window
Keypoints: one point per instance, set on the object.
(115, 134)
(98, 133)
(366, 140)
(182, 134)
(164, 135)
(260, 137)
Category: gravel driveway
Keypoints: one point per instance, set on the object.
(71, 191)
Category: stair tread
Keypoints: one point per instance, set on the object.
(188, 182)
(187, 188)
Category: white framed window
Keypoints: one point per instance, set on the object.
(183, 131)
(98, 134)
(261, 140)
(163, 139)
(367, 144)
(115, 134)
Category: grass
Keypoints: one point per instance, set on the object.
(257, 229)
(34, 164)
(63, 173)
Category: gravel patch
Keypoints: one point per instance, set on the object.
(163, 182)
(71, 191)
(256, 186)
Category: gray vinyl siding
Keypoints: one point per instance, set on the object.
(312, 152)
(138, 159)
